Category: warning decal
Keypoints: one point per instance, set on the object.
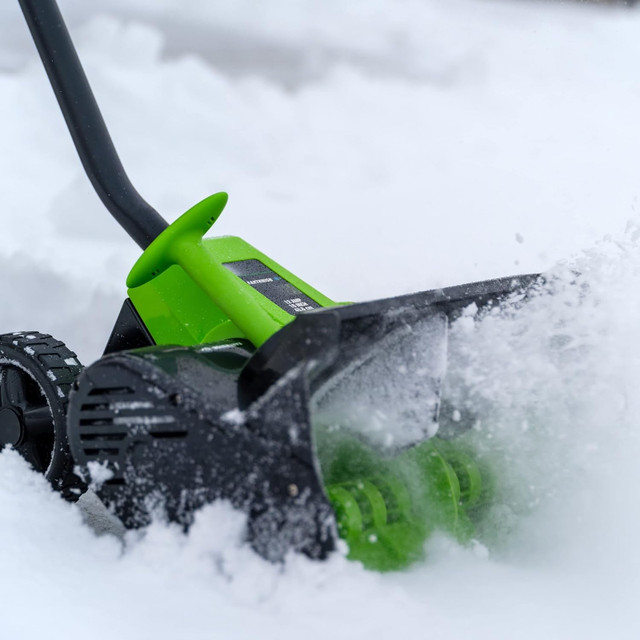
(272, 286)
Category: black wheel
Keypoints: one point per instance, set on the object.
(36, 375)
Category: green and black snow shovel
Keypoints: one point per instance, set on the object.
(226, 377)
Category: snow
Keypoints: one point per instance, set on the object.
(373, 148)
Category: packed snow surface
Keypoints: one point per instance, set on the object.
(374, 147)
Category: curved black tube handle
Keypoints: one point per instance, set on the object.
(86, 125)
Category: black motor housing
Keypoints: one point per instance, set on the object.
(159, 429)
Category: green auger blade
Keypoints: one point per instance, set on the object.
(387, 506)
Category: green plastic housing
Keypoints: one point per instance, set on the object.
(186, 296)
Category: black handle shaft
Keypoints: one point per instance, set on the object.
(86, 125)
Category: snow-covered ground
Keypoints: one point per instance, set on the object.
(374, 148)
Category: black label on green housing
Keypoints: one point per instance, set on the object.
(272, 286)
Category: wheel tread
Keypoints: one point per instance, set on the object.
(52, 355)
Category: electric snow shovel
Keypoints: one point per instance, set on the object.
(226, 377)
